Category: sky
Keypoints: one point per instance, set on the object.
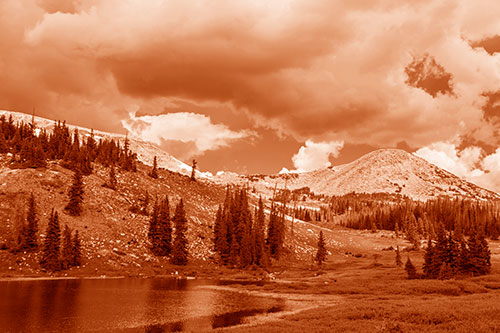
(258, 86)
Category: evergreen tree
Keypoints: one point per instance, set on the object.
(410, 269)
(4, 147)
(322, 252)
(112, 182)
(67, 248)
(153, 228)
(429, 267)
(275, 233)
(76, 253)
(154, 171)
(463, 261)
(164, 229)
(193, 170)
(399, 261)
(246, 248)
(75, 195)
(259, 237)
(218, 235)
(31, 240)
(234, 252)
(179, 250)
(50, 254)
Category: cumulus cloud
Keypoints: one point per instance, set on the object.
(182, 134)
(321, 70)
(470, 163)
(315, 155)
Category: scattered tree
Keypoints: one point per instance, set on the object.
(410, 269)
(74, 207)
(322, 252)
(154, 171)
(67, 248)
(193, 170)
(50, 253)
(180, 251)
(112, 182)
(31, 228)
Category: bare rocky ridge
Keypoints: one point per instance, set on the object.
(392, 171)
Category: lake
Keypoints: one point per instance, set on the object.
(125, 305)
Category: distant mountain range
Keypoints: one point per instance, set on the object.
(391, 171)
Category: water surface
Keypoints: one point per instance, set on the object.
(128, 305)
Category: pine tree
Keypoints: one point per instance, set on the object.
(429, 271)
(67, 248)
(322, 252)
(31, 240)
(112, 183)
(275, 233)
(193, 169)
(153, 228)
(4, 148)
(164, 229)
(399, 262)
(75, 195)
(50, 254)
(259, 237)
(246, 248)
(484, 255)
(154, 171)
(218, 236)
(76, 253)
(410, 269)
(463, 261)
(179, 250)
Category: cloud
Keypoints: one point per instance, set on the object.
(182, 134)
(321, 70)
(315, 155)
(470, 163)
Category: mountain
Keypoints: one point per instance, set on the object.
(392, 171)
(145, 150)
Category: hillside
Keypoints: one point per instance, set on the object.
(113, 237)
(145, 150)
(381, 171)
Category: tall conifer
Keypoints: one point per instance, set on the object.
(31, 240)
(180, 250)
(51, 247)
(76, 252)
(74, 207)
(322, 252)
(67, 248)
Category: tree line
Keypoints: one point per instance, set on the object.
(451, 254)
(32, 148)
(420, 220)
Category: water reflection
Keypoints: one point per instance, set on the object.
(151, 305)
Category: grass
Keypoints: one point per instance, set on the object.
(352, 295)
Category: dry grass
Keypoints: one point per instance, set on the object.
(352, 295)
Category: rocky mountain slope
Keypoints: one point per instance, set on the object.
(381, 171)
(146, 151)
(114, 238)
